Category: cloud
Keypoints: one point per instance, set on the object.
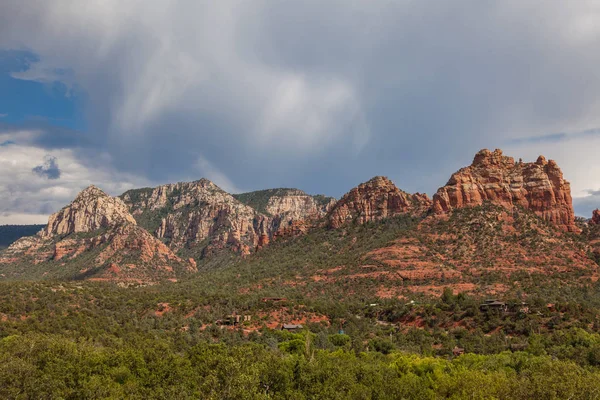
(556, 137)
(27, 200)
(3, 115)
(39, 72)
(319, 95)
(49, 169)
(22, 219)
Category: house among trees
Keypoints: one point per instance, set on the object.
(291, 327)
(235, 319)
(493, 304)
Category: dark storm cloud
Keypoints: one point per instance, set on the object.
(557, 137)
(49, 169)
(318, 95)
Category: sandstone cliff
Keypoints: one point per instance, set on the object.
(198, 216)
(200, 219)
(291, 211)
(91, 210)
(374, 200)
(539, 187)
(95, 237)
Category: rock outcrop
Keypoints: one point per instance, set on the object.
(198, 216)
(538, 187)
(291, 212)
(91, 210)
(203, 219)
(95, 237)
(595, 217)
(374, 200)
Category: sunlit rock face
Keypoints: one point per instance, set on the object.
(537, 186)
(374, 200)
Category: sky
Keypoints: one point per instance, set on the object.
(318, 95)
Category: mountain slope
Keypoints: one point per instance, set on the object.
(483, 250)
(200, 219)
(198, 216)
(94, 237)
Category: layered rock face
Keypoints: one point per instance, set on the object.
(374, 200)
(197, 215)
(91, 210)
(539, 187)
(202, 218)
(95, 237)
(291, 212)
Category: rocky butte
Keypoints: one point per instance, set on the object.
(91, 210)
(96, 237)
(537, 186)
(374, 200)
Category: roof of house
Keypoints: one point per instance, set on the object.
(493, 303)
(291, 326)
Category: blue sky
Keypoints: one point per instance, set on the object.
(319, 95)
(27, 101)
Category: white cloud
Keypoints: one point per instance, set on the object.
(43, 73)
(23, 219)
(26, 197)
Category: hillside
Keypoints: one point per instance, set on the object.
(96, 238)
(495, 223)
(367, 290)
(266, 201)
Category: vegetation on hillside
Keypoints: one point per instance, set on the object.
(387, 310)
(260, 199)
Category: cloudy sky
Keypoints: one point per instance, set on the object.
(319, 95)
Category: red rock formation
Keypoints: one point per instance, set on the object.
(98, 225)
(596, 217)
(203, 216)
(493, 177)
(374, 200)
(91, 210)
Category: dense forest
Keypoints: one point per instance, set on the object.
(77, 340)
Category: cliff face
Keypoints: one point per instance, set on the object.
(95, 237)
(290, 211)
(197, 215)
(203, 219)
(91, 210)
(374, 200)
(539, 187)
